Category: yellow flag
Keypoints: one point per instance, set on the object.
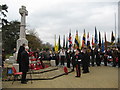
(56, 45)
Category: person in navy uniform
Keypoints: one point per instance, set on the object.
(78, 58)
(24, 64)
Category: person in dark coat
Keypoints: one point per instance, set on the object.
(93, 56)
(24, 64)
(119, 57)
(73, 60)
(114, 55)
(21, 49)
(62, 56)
(56, 57)
(68, 57)
(105, 58)
(85, 61)
(98, 59)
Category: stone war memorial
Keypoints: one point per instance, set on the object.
(78, 60)
(22, 39)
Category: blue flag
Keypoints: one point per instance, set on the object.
(102, 46)
(96, 38)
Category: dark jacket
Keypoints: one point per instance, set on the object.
(24, 61)
(85, 59)
(21, 49)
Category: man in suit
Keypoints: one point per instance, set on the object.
(24, 64)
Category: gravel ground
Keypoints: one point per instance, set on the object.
(99, 77)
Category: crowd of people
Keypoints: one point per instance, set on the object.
(84, 58)
(74, 58)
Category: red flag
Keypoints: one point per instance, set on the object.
(92, 41)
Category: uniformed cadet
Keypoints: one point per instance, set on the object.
(78, 58)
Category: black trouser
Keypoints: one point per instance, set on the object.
(62, 60)
(118, 61)
(23, 77)
(85, 69)
(2, 64)
(78, 71)
(92, 60)
(19, 67)
(114, 62)
(57, 61)
(68, 63)
(105, 61)
(73, 64)
(98, 62)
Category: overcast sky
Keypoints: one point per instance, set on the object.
(50, 17)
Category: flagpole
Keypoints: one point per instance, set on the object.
(115, 29)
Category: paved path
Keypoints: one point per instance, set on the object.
(99, 77)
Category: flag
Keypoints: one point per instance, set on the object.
(84, 39)
(105, 42)
(112, 38)
(67, 43)
(70, 40)
(88, 41)
(76, 40)
(99, 40)
(92, 41)
(59, 46)
(64, 41)
(96, 38)
(55, 46)
(102, 48)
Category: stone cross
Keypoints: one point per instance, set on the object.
(22, 39)
(23, 12)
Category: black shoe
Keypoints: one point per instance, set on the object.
(23, 82)
(114, 66)
(77, 76)
(26, 81)
(85, 72)
(72, 70)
